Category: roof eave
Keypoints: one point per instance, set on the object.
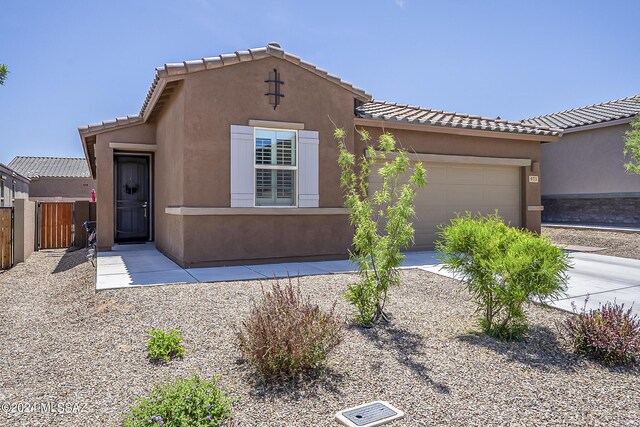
(396, 124)
(86, 155)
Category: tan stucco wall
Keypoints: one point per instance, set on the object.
(7, 179)
(234, 95)
(24, 229)
(440, 143)
(168, 175)
(61, 189)
(141, 134)
(587, 162)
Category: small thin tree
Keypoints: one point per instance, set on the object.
(4, 72)
(382, 219)
(632, 146)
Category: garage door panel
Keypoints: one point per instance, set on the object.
(464, 196)
(498, 194)
(499, 175)
(464, 175)
(436, 174)
(456, 189)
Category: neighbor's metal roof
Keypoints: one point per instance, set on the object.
(390, 111)
(54, 167)
(591, 114)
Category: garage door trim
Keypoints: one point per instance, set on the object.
(477, 160)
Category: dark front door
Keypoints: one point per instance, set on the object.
(132, 198)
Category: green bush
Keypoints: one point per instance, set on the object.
(381, 219)
(610, 334)
(164, 345)
(190, 402)
(286, 335)
(503, 267)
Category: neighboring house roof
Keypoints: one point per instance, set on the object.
(392, 112)
(6, 169)
(50, 167)
(625, 108)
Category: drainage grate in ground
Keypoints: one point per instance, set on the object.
(369, 415)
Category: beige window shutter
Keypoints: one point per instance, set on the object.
(308, 169)
(242, 185)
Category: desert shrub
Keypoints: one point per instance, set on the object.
(503, 268)
(381, 219)
(183, 402)
(609, 334)
(164, 345)
(286, 336)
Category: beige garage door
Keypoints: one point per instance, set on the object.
(458, 188)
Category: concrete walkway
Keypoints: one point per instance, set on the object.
(143, 265)
(603, 278)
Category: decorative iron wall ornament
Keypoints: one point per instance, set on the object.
(275, 91)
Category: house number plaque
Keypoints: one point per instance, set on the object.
(533, 178)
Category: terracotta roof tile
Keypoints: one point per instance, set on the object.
(591, 114)
(390, 111)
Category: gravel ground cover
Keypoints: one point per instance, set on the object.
(617, 243)
(61, 342)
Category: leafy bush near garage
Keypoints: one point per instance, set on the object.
(286, 335)
(381, 218)
(183, 402)
(609, 334)
(164, 345)
(503, 268)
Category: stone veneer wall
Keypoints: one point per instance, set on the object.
(622, 211)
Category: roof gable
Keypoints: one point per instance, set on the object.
(165, 80)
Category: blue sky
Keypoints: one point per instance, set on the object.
(78, 62)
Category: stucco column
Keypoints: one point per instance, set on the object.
(105, 215)
(24, 229)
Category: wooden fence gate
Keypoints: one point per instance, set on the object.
(6, 238)
(56, 225)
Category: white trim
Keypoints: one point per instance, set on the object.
(599, 125)
(132, 147)
(476, 160)
(265, 210)
(268, 124)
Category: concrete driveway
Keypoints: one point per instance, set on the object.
(604, 279)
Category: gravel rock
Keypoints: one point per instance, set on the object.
(63, 343)
(617, 243)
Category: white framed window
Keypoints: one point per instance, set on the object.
(275, 167)
(2, 193)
